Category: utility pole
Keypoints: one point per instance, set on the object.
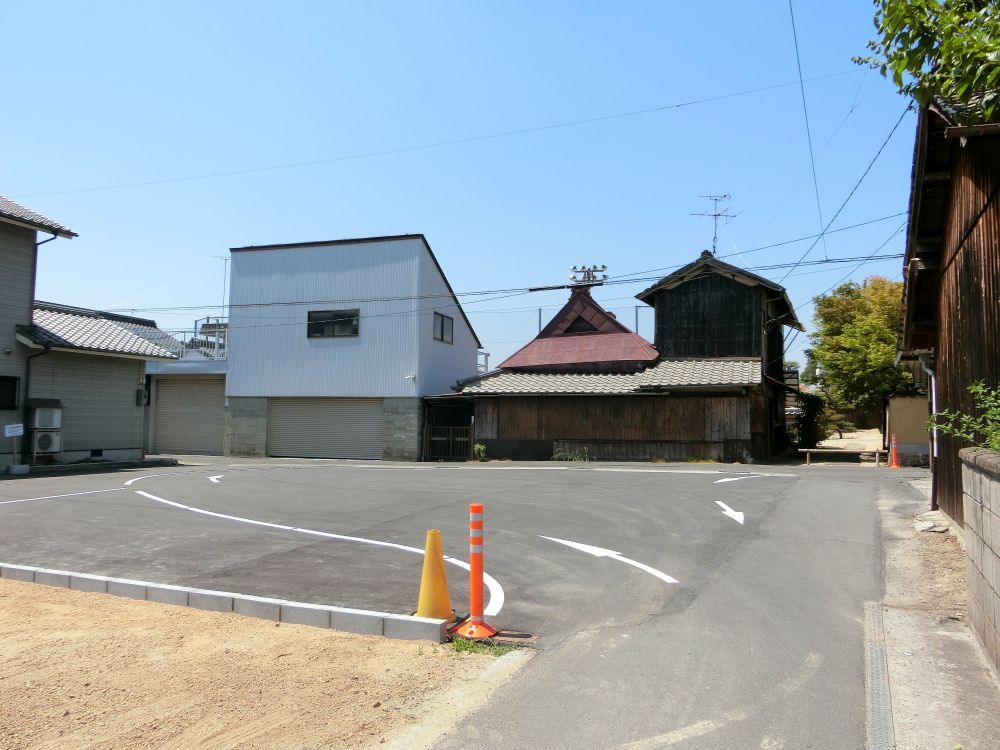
(715, 215)
(225, 280)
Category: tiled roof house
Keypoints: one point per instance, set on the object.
(711, 386)
(74, 378)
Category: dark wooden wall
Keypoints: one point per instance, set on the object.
(710, 316)
(735, 424)
(968, 337)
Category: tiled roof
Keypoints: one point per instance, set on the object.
(16, 212)
(670, 373)
(75, 328)
(562, 351)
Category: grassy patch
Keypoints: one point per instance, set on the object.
(485, 646)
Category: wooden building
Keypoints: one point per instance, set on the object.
(950, 312)
(710, 388)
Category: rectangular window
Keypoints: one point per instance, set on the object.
(326, 324)
(444, 328)
(8, 392)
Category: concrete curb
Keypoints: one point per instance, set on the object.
(362, 621)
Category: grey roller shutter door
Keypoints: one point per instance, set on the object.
(190, 415)
(325, 427)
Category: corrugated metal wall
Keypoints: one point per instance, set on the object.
(442, 364)
(969, 302)
(269, 351)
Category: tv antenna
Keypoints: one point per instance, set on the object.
(716, 214)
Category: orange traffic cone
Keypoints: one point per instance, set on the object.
(434, 600)
(894, 455)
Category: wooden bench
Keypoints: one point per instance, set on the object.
(840, 451)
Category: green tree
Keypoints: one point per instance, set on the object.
(854, 346)
(947, 48)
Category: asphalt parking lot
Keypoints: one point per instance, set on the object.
(131, 525)
(704, 605)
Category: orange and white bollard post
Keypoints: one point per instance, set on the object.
(475, 627)
(894, 454)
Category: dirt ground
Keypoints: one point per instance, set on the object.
(943, 692)
(95, 671)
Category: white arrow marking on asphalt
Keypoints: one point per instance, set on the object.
(216, 478)
(735, 479)
(601, 552)
(727, 511)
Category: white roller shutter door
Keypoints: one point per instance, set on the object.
(325, 427)
(190, 415)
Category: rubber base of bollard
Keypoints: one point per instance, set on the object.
(474, 631)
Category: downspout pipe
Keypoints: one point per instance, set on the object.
(25, 441)
(25, 447)
(925, 364)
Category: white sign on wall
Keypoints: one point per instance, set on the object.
(13, 430)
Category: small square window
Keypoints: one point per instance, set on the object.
(444, 328)
(8, 392)
(325, 324)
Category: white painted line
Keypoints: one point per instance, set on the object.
(147, 476)
(727, 511)
(601, 552)
(496, 590)
(216, 478)
(54, 497)
(736, 479)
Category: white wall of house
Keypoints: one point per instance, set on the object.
(271, 355)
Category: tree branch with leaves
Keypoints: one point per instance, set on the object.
(945, 48)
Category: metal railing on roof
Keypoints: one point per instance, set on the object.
(207, 339)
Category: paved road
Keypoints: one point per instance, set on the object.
(758, 645)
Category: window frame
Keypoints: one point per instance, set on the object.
(450, 339)
(15, 392)
(327, 329)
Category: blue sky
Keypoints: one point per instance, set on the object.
(111, 94)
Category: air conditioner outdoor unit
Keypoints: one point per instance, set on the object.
(47, 419)
(46, 441)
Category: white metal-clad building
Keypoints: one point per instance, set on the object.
(333, 344)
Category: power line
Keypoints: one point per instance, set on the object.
(864, 260)
(771, 246)
(853, 189)
(496, 293)
(434, 144)
(805, 112)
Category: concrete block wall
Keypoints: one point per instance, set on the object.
(981, 499)
(246, 426)
(402, 429)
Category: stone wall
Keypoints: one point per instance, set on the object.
(981, 498)
(246, 426)
(402, 429)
